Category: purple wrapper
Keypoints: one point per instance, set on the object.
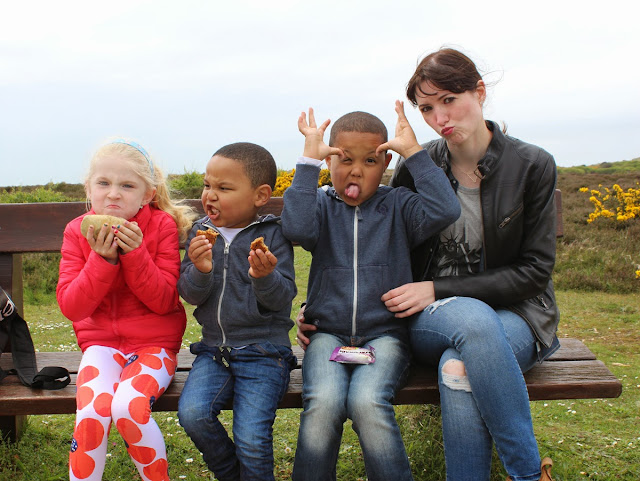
(354, 355)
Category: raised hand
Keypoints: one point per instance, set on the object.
(314, 146)
(405, 142)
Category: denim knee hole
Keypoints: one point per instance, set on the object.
(456, 378)
(431, 308)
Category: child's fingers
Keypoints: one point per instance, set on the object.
(302, 123)
(324, 126)
(383, 148)
(400, 110)
(312, 118)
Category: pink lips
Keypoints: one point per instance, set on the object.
(447, 131)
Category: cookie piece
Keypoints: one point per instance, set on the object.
(259, 244)
(210, 234)
(97, 221)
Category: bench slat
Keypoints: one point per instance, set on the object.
(559, 379)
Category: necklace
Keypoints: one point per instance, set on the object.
(473, 175)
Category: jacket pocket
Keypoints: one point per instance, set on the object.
(541, 313)
(506, 220)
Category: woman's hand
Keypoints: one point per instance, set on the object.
(405, 142)
(314, 146)
(303, 340)
(409, 299)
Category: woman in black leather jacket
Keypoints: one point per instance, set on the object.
(483, 294)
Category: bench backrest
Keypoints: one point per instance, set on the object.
(39, 227)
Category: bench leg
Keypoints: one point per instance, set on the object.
(11, 427)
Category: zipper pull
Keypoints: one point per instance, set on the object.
(504, 222)
(226, 255)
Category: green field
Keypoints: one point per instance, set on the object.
(587, 439)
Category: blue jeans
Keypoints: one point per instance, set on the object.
(333, 392)
(256, 381)
(491, 402)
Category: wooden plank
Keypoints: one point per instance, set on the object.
(581, 379)
(572, 380)
(572, 350)
(38, 227)
(559, 223)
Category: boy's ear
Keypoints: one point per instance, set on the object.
(387, 159)
(262, 195)
(328, 162)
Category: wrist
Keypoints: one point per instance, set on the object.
(408, 152)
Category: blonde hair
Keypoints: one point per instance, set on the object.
(153, 178)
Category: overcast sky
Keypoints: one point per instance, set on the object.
(184, 78)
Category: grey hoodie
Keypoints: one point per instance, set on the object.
(233, 308)
(360, 253)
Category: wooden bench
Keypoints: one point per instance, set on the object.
(573, 372)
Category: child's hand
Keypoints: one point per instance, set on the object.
(405, 142)
(104, 243)
(314, 146)
(128, 236)
(200, 253)
(261, 263)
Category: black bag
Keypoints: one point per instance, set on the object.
(14, 328)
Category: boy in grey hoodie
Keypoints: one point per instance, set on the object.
(360, 235)
(244, 299)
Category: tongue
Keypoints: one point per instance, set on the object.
(352, 191)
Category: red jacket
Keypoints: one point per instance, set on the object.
(132, 304)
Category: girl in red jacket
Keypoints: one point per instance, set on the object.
(117, 285)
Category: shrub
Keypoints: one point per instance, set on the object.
(40, 194)
(187, 185)
(285, 178)
(616, 204)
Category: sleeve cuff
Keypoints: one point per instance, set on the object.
(309, 161)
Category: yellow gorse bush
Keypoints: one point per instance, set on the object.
(615, 203)
(284, 181)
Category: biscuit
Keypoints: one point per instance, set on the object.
(210, 234)
(259, 244)
(97, 221)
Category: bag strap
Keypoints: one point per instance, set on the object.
(14, 328)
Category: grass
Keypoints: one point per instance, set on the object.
(588, 439)
(595, 439)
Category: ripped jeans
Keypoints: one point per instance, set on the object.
(489, 404)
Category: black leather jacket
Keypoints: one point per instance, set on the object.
(519, 221)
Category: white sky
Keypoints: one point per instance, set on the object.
(184, 78)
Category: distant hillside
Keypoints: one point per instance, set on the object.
(605, 167)
(76, 191)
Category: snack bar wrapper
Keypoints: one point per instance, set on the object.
(354, 355)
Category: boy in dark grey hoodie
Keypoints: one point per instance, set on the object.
(360, 235)
(244, 299)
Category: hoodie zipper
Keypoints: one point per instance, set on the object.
(356, 214)
(224, 285)
(227, 247)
